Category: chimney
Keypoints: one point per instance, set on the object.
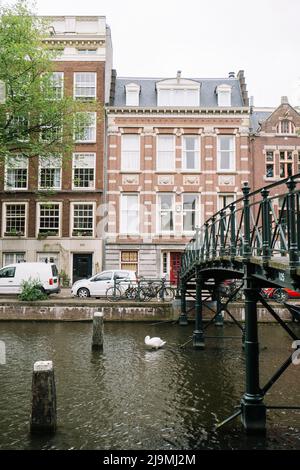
(178, 75)
(241, 78)
(231, 75)
(284, 100)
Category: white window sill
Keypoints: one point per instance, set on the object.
(15, 189)
(85, 141)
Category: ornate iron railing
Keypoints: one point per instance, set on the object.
(264, 224)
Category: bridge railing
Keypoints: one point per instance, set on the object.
(264, 223)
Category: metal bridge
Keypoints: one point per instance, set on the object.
(256, 239)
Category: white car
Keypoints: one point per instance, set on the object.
(98, 284)
(12, 276)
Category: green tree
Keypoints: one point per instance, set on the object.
(36, 118)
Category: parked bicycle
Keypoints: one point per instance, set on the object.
(142, 290)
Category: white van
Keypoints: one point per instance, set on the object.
(12, 276)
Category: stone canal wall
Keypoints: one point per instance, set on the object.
(83, 310)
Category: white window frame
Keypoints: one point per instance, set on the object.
(4, 218)
(15, 259)
(197, 215)
(232, 154)
(92, 126)
(158, 168)
(125, 263)
(72, 229)
(197, 151)
(123, 223)
(132, 94)
(79, 188)
(86, 85)
(48, 255)
(171, 101)
(158, 205)
(224, 95)
(38, 217)
(21, 157)
(61, 80)
(291, 126)
(219, 195)
(125, 153)
(50, 167)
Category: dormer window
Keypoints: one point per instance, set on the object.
(178, 92)
(285, 127)
(132, 94)
(224, 95)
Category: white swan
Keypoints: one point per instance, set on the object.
(154, 343)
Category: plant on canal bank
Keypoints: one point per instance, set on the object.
(32, 290)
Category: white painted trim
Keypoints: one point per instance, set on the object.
(14, 203)
(38, 217)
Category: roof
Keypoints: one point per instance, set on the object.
(208, 97)
(259, 116)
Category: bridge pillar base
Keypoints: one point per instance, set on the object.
(219, 320)
(183, 319)
(198, 339)
(253, 417)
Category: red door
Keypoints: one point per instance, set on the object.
(175, 261)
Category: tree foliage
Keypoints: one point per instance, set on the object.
(34, 120)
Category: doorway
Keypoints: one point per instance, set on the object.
(171, 262)
(82, 266)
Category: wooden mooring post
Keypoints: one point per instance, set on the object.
(98, 331)
(43, 413)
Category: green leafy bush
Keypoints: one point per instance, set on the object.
(32, 290)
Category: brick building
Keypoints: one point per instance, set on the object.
(65, 227)
(177, 150)
(275, 143)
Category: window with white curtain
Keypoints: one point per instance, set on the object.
(129, 214)
(84, 170)
(50, 172)
(190, 154)
(12, 258)
(56, 85)
(166, 212)
(85, 127)
(189, 212)
(130, 153)
(16, 172)
(85, 85)
(165, 153)
(226, 153)
(178, 97)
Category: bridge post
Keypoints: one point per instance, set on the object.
(266, 227)
(198, 336)
(183, 319)
(219, 320)
(292, 226)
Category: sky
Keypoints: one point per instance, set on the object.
(203, 39)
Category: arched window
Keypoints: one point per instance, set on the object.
(285, 127)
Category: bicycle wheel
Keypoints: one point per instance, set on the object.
(168, 294)
(113, 294)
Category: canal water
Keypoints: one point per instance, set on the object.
(131, 398)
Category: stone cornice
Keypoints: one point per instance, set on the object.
(177, 111)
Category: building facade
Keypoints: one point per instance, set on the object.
(177, 151)
(275, 143)
(64, 227)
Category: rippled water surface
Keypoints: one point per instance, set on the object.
(131, 398)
